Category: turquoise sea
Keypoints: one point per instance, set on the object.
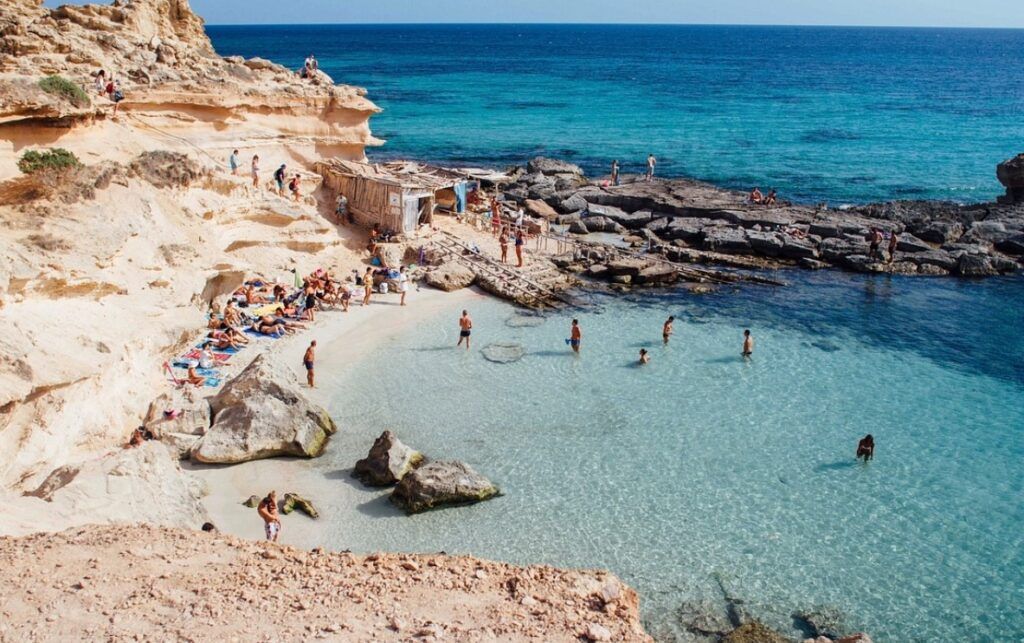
(824, 114)
(702, 470)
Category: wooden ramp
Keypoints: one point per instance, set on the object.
(528, 286)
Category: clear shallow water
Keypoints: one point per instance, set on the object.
(701, 466)
(825, 114)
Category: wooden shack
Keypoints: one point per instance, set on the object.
(398, 196)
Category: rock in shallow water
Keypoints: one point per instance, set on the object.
(388, 462)
(442, 483)
(503, 353)
(524, 321)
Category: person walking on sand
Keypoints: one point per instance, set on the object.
(645, 357)
(233, 163)
(651, 163)
(267, 510)
(465, 329)
(615, 172)
(367, 286)
(307, 361)
(520, 242)
(403, 285)
(503, 240)
(748, 344)
(866, 448)
(256, 170)
(666, 330)
(575, 336)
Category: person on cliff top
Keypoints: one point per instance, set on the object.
(666, 330)
(267, 510)
(866, 448)
(307, 361)
(294, 186)
(575, 336)
(772, 198)
(875, 240)
(256, 170)
(615, 172)
(894, 241)
(645, 357)
(465, 329)
(503, 241)
(233, 163)
(520, 242)
(279, 176)
(651, 163)
(748, 344)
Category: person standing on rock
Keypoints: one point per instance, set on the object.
(894, 240)
(307, 361)
(615, 172)
(267, 510)
(875, 241)
(666, 330)
(575, 336)
(233, 163)
(651, 163)
(748, 344)
(520, 242)
(256, 170)
(465, 329)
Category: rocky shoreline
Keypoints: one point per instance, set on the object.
(686, 221)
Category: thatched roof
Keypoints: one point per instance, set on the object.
(405, 174)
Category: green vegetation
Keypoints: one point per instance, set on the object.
(60, 86)
(54, 159)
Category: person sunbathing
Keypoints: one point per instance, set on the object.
(252, 297)
(215, 323)
(756, 196)
(193, 378)
(279, 293)
(232, 316)
(264, 327)
(771, 198)
(223, 339)
(237, 336)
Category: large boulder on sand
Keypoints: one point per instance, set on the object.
(262, 414)
(450, 276)
(441, 483)
(388, 462)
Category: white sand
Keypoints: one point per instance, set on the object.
(342, 339)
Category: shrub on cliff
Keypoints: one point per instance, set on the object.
(53, 159)
(60, 86)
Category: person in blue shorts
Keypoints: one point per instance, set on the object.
(307, 361)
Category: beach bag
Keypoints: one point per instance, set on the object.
(118, 96)
(384, 288)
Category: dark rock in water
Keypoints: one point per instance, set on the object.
(754, 632)
(705, 618)
(828, 347)
(824, 621)
(940, 232)
(502, 353)
(439, 484)
(975, 265)
(525, 321)
(551, 167)
(293, 501)
(1011, 174)
(1012, 246)
(387, 463)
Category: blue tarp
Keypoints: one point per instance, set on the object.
(460, 198)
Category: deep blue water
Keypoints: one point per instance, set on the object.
(823, 114)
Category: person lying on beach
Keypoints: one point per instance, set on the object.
(796, 233)
(267, 510)
(252, 297)
(193, 378)
(756, 196)
(645, 357)
(666, 330)
(224, 339)
(263, 327)
(866, 448)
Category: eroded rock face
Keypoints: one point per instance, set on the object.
(388, 462)
(1011, 174)
(439, 484)
(262, 414)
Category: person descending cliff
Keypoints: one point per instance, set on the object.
(233, 162)
(279, 176)
(256, 170)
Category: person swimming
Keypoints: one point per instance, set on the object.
(866, 448)
(666, 330)
(645, 357)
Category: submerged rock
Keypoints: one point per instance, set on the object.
(524, 321)
(754, 632)
(824, 621)
(440, 484)
(293, 501)
(705, 618)
(503, 353)
(387, 463)
(262, 414)
(450, 276)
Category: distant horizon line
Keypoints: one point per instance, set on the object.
(602, 24)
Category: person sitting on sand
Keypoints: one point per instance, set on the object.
(374, 239)
(232, 316)
(756, 196)
(209, 528)
(267, 510)
(137, 438)
(345, 296)
(645, 357)
(225, 339)
(666, 330)
(280, 294)
(866, 448)
(193, 378)
(748, 344)
(252, 297)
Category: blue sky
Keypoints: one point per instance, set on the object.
(940, 13)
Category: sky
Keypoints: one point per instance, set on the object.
(932, 13)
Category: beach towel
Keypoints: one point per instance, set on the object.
(255, 334)
(213, 382)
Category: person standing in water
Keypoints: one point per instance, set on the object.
(307, 361)
(748, 344)
(575, 336)
(645, 357)
(271, 520)
(651, 163)
(866, 448)
(666, 330)
(465, 329)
